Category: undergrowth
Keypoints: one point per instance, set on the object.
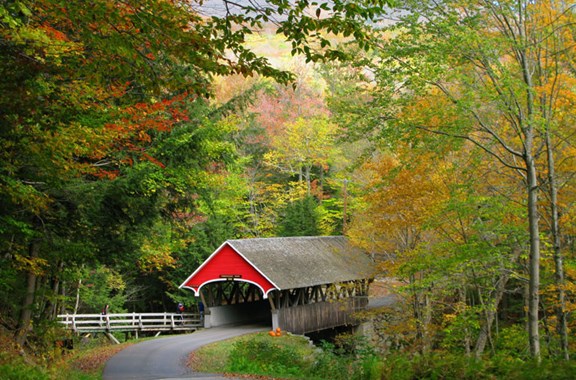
(286, 357)
(292, 357)
(85, 362)
(445, 365)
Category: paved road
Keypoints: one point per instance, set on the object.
(165, 358)
(383, 301)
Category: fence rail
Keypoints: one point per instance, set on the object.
(131, 322)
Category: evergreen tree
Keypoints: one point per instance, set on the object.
(300, 218)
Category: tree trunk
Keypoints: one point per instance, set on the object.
(51, 309)
(423, 314)
(467, 336)
(427, 322)
(26, 313)
(62, 305)
(486, 327)
(562, 324)
(490, 315)
(534, 262)
(417, 310)
(77, 304)
(527, 58)
(307, 175)
(345, 208)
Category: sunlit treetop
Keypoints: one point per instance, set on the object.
(166, 45)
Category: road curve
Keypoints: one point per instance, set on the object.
(165, 358)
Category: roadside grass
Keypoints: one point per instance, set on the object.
(88, 363)
(212, 358)
(85, 362)
(286, 357)
(292, 357)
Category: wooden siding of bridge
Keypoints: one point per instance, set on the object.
(318, 316)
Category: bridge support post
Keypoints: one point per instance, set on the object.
(275, 319)
(111, 337)
(207, 318)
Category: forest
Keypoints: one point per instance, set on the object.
(136, 136)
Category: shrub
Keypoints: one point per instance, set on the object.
(352, 359)
(329, 365)
(266, 357)
(513, 340)
(22, 372)
(292, 357)
(444, 365)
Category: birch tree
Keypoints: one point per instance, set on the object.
(481, 65)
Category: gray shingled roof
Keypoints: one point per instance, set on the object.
(297, 262)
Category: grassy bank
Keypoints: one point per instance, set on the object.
(292, 357)
(284, 357)
(85, 362)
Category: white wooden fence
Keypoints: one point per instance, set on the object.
(131, 322)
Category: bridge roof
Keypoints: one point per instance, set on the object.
(284, 263)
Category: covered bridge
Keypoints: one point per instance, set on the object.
(300, 284)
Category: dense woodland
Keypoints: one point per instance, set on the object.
(137, 136)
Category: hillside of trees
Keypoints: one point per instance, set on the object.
(137, 136)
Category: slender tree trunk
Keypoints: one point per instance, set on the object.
(308, 180)
(345, 208)
(427, 322)
(490, 315)
(423, 315)
(486, 327)
(417, 310)
(56, 290)
(547, 333)
(26, 313)
(527, 57)
(321, 182)
(562, 324)
(467, 336)
(63, 293)
(485, 330)
(77, 304)
(534, 262)
(486, 324)
(51, 310)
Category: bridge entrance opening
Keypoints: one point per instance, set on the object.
(233, 301)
